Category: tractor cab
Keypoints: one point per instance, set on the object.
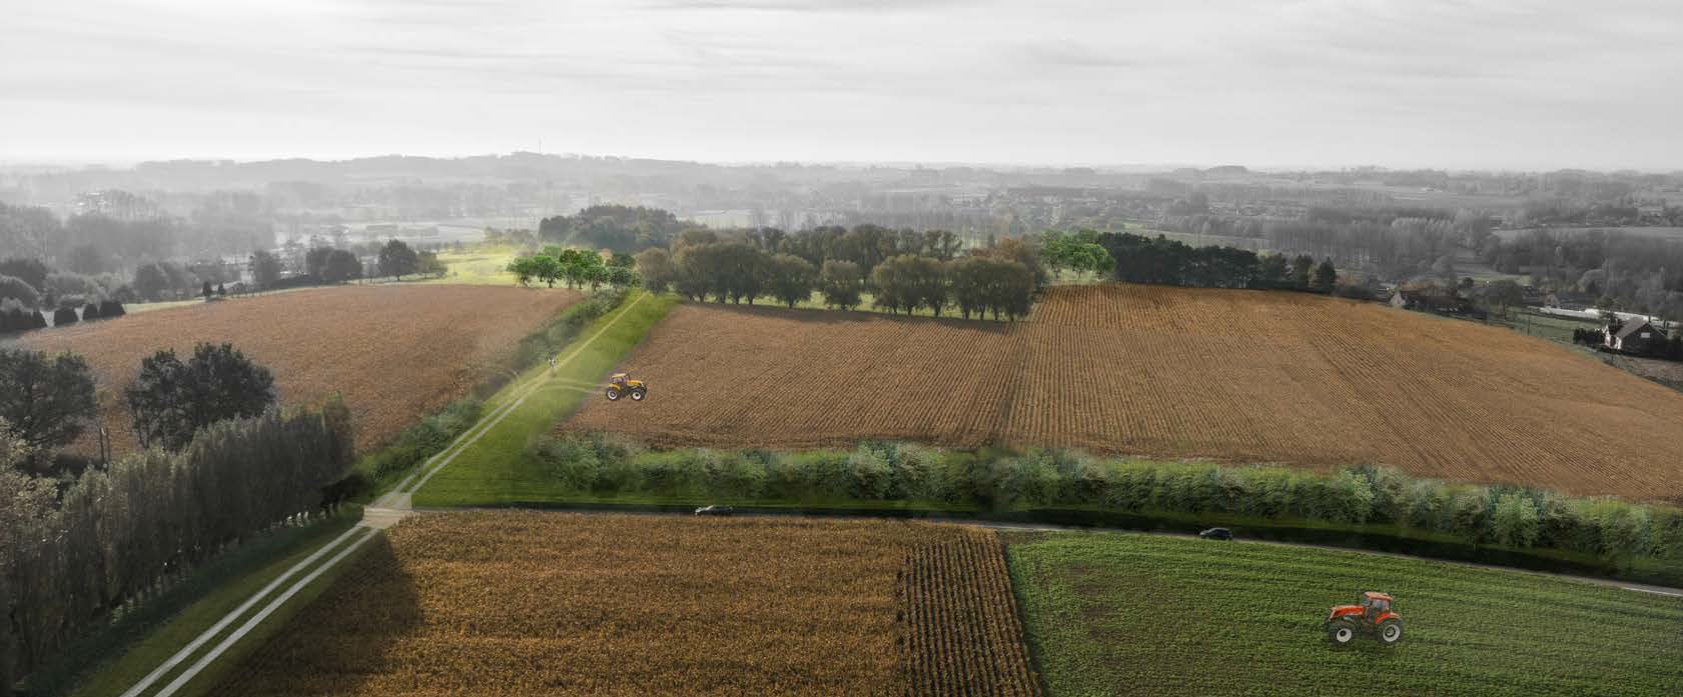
(1373, 604)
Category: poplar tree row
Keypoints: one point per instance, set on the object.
(120, 534)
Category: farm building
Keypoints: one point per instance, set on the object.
(1433, 302)
(1637, 335)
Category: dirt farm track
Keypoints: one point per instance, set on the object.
(1167, 372)
(394, 352)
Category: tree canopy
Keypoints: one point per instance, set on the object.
(171, 400)
(47, 401)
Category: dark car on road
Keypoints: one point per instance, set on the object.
(1217, 534)
(715, 510)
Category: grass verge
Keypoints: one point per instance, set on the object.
(1119, 613)
(109, 661)
(495, 469)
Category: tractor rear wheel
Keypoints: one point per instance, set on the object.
(613, 394)
(638, 393)
(1390, 632)
(1341, 633)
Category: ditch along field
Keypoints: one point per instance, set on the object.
(1127, 614)
(1164, 372)
(523, 603)
(395, 352)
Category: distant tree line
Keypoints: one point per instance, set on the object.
(1140, 259)
(1617, 271)
(621, 229)
(116, 227)
(576, 268)
(902, 270)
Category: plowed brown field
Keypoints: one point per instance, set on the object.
(395, 352)
(1165, 372)
(522, 603)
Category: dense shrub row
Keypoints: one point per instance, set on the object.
(14, 317)
(599, 464)
(120, 534)
(421, 441)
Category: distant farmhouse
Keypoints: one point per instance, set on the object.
(1635, 336)
(1439, 303)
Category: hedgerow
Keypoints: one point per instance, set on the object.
(601, 464)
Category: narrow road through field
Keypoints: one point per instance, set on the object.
(385, 512)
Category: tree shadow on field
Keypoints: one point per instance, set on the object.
(812, 316)
(343, 639)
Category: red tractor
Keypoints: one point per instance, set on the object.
(1371, 615)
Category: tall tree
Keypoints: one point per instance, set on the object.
(265, 268)
(841, 282)
(150, 281)
(656, 266)
(341, 265)
(1301, 266)
(171, 400)
(790, 278)
(397, 259)
(1326, 276)
(48, 402)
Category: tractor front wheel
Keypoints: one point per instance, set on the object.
(1340, 633)
(1390, 632)
(613, 394)
(638, 393)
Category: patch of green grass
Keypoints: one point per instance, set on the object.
(1120, 613)
(1544, 326)
(109, 662)
(495, 469)
(480, 266)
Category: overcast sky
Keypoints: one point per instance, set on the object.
(1468, 84)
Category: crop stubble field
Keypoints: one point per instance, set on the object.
(395, 352)
(521, 603)
(1164, 372)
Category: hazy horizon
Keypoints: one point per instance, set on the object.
(1531, 86)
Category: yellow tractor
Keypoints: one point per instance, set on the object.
(620, 385)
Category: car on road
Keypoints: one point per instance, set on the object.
(715, 510)
(1217, 534)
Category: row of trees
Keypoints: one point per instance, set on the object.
(31, 284)
(118, 227)
(118, 534)
(1001, 279)
(575, 267)
(1143, 259)
(15, 318)
(1519, 517)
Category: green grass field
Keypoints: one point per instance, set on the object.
(1543, 326)
(1120, 613)
(122, 657)
(495, 469)
(486, 266)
